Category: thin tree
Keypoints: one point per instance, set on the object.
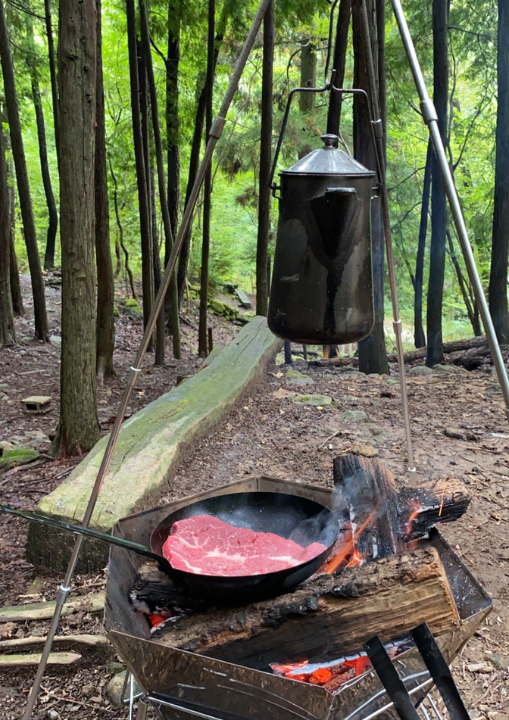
(18, 152)
(16, 294)
(105, 324)
(195, 150)
(147, 259)
(372, 354)
(308, 59)
(172, 117)
(339, 64)
(7, 331)
(419, 336)
(264, 198)
(435, 352)
(500, 243)
(207, 190)
(78, 428)
(163, 201)
(160, 325)
(53, 74)
(33, 63)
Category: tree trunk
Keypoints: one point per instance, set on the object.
(500, 242)
(78, 429)
(195, 154)
(419, 336)
(16, 295)
(141, 170)
(172, 117)
(438, 198)
(53, 76)
(18, 152)
(207, 190)
(372, 355)
(338, 64)
(264, 192)
(163, 201)
(49, 256)
(121, 231)
(307, 101)
(105, 341)
(7, 331)
(464, 288)
(160, 324)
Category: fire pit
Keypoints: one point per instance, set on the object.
(236, 680)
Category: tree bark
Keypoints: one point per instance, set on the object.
(207, 190)
(372, 355)
(49, 255)
(105, 328)
(141, 169)
(78, 429)
(172, 117)
(500, 244)
(11, 100)
(264, 192)
(195, 154)
(339, 64)
(464, 289)
(53, 75)
(16, 295)
(307, 101)
(438, 198)
(419, 336)
(160, 324)
(7, 330)
(163, 200)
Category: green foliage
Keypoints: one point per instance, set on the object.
(234, 211)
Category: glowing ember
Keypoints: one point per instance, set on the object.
(347, 552)
(332, 675)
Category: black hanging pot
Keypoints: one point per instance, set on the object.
(322, 285)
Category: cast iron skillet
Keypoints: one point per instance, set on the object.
(289, 516)
(305, 521)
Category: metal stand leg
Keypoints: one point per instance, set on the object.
(430, 118)
(380, 158)
(214, 135)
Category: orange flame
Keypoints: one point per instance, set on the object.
(413, 515)
(347, 550)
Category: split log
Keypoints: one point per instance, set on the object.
(384, 520)
(327, 616)
(421, 508)
(369, 491)
(62, 658)
(45, 610)
(89, 641)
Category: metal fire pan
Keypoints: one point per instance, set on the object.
(185, 685)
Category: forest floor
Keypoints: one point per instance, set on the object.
(268, 433)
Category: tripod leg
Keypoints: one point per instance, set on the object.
(377, 126)
(429, 116)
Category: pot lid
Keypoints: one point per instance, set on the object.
(328, 160)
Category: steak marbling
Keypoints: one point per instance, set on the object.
(205, 545)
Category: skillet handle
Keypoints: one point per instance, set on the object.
(89, 532)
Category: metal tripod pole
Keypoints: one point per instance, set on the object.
(430, 118)
(377, 126)
(214, 135)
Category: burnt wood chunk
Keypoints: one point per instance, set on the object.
(423, 507)
(327, 616)
(369, 491)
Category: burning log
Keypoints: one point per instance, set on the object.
(328, 615)
(382, 519)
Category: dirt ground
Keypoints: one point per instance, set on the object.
(459, 430)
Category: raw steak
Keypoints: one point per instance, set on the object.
(206, 545)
